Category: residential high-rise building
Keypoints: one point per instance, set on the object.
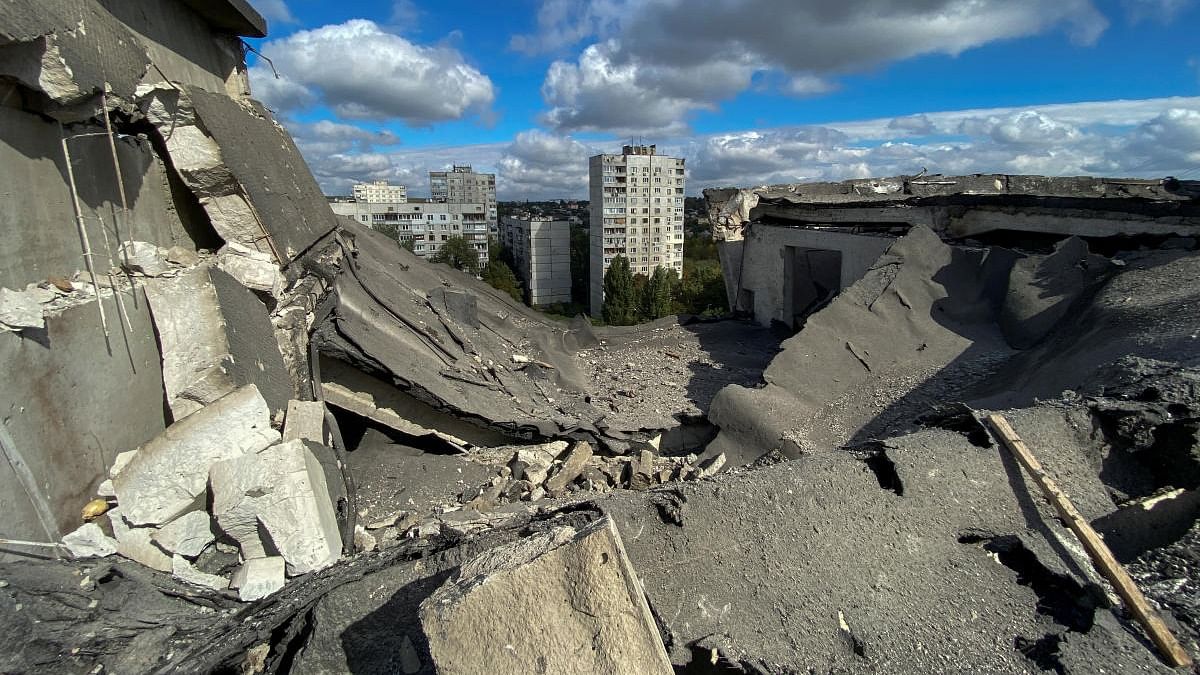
(462, 185)
(380, 192)
(541, 248)
(426, 224)
(636, 211)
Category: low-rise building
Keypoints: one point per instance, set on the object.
(380, 192)
(541, 248)
(426, 224)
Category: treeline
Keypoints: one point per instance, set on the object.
(635, 298)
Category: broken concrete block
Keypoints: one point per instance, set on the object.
(563, 601)
(280, 492)
(573, 465)
(641, 471)
(363, 540)
(19, 310)
(258, 578)
(305, 421)
(187, 535)
(253, 269)
(106, 489)
(165, 477)
(532, 462)
(709, 467)
(143, 257)
(191, 336)
(183, 570)
(120, 462)
(182, 256)
(89, 541)
(137, 544)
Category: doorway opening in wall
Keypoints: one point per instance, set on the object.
(812, 277)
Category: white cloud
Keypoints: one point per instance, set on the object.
(672, 59)
(363, 72)
(274, 10)
(1162, 11)
(1147, 138)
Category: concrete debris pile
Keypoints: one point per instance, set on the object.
(218, 482)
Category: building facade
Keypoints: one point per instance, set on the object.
(462, 185)
(426, 224)
(541, 248)
(380, 192)
(636, 211)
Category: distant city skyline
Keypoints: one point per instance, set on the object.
(748, 91)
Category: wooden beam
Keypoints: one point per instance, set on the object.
(1103, 558)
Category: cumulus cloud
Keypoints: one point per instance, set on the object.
(326, 137)
(542, 165)
(1163, 11)
(361, 71)
(654, 52)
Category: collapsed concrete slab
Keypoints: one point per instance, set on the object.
(562, 601)
(168, 474)
(89, 541)
(189, 325)
(305, 421)
(278, 500)
(187, 535)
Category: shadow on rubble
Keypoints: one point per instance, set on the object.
(390, 639)
(737, 351)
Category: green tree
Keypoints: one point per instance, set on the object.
(620, 299)
(459, 254)
(390, 229)
(656, 296)
(409, 244)
(500, 276)
(702, 290)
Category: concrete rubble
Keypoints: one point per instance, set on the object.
(585, 604)
(248, 436)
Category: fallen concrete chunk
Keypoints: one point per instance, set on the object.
(137, 544)
(182, 256)
(709, 467)
(185, 571)
(573, 465)
(282, 493)
(305, 421)
(167, 474)
(641, 471)
(258, 578)
(143, 257)
(253, 269)
(363, 540)
(532, 462)
(120, 462)
(19, 310)
(187, 535)
(89, 541)
(559, 602)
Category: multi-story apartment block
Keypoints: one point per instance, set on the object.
(427, 224)
(380, 192)
(636, 211)
(463, 186)
(541, 247)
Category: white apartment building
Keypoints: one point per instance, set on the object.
(541, 248)
(426, 224)
(462, 185)
(636, 211)
(380, 192)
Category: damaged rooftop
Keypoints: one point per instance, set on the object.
(244, 434)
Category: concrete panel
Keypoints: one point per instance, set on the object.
(37, 220)
(769, 246)
(255, 357)
(180, 42)
(267, 164)
(70, 405)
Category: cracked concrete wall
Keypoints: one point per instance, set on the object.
(36, 216)
(69, 405)
(767, 246)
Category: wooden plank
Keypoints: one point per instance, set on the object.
(1103, 558)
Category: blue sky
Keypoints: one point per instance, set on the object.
(749, 91)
